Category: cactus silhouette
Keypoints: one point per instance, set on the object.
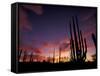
(94, 39)
(59, 54)
(24, 56)
(19, 54)
(78, 44)
(54, 56)
(95, 43)
(31, 57)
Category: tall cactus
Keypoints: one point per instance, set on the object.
(31, 57)
(95, 43)
(24, 56)
(94, 39)
(59, 54)
(72, 45)
(54, 56)
(78, 46)
(19, 55)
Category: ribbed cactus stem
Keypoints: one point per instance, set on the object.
(72, 44)
(78, 32)
(75, 38)
(82, 42)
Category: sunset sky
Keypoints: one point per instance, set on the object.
(45, 28)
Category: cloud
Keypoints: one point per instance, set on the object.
(37, 50)
(86, 14)
(88, 32)
(35, 8)
(49, 45)
(31, 49)
(24, 23)
(45, 44)
(64, 46)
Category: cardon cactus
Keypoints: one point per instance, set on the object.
(78, 44)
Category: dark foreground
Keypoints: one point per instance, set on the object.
(41, 67)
